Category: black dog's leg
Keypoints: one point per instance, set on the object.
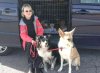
(38, 64)
(28, 56)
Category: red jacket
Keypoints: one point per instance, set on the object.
(24, 32)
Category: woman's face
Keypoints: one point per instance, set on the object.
(27, 12)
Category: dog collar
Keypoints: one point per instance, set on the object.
(61, 48)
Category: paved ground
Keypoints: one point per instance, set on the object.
(16, 63)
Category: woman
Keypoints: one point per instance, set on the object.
(30, 27)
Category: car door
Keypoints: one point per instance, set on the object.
(86, 19)
(9, 30)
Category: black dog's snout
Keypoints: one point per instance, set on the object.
(46, 43)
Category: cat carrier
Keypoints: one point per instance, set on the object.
(52, 13)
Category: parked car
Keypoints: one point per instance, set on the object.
(9, 32)
(85, 17)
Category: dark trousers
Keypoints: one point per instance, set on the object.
(35, 63)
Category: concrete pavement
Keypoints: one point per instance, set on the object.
(16, 62)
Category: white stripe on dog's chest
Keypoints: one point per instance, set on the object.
(65, 51)
(45, 55)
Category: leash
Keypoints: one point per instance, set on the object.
(55, 49)
(33, 53)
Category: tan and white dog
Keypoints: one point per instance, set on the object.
(42, 48)
(68, 51)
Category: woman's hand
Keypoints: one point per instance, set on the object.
(34, 43)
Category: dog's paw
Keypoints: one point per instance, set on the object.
(45, 70)
(29, 71)
(60, 69)
(77, 68)
(52, 68)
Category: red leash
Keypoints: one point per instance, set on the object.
(55, 49)
(33, 53)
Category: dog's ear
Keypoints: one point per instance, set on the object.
(72, 31)
(61, 33)
(37, 38)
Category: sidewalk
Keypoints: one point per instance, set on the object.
(16, 63)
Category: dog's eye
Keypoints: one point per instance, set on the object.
(69, 40)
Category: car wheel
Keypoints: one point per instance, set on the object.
(4, 50)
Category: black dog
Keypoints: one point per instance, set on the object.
(43, 49)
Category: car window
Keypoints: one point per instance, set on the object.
(9, 1)
(90, 1)
(8, 10)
